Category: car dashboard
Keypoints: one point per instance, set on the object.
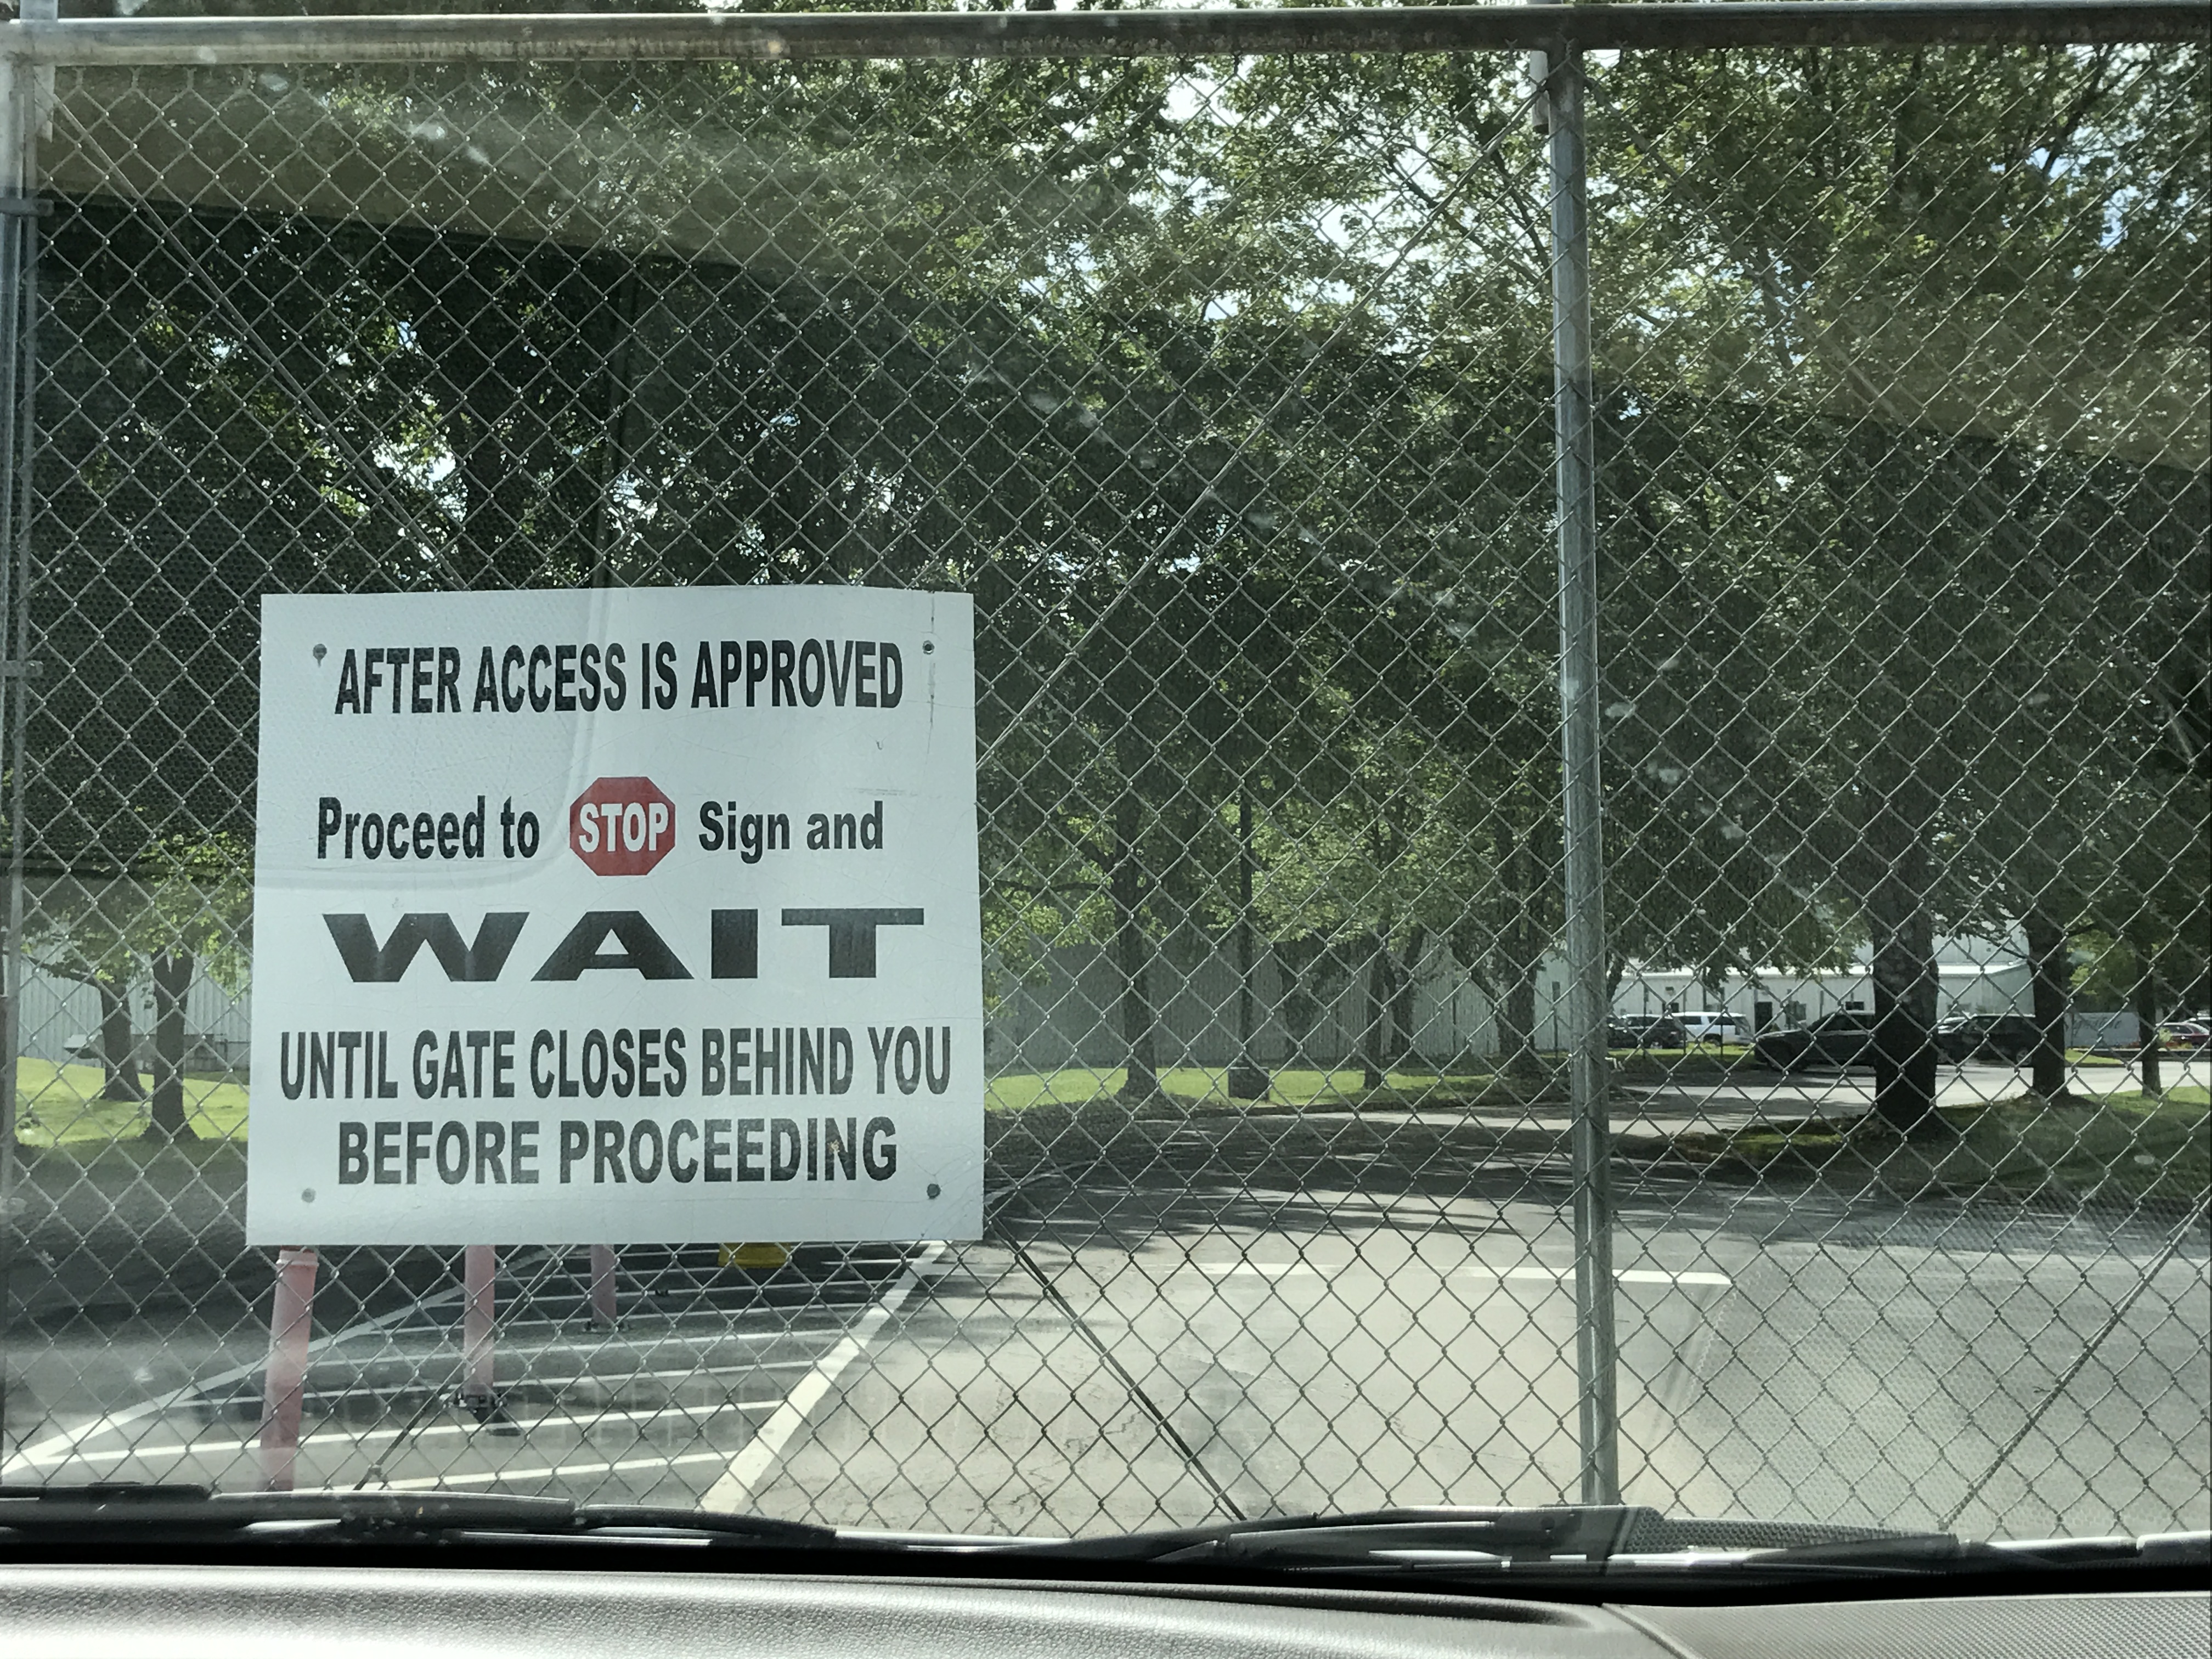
(225, 1612)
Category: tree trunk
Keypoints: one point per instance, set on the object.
(1406, 978)
(1297, 964)
(116, 1039)
(1504, 965)
(2147, 1060)
(1248, 1079)
(1526, 941)
(1904, 930)
(1371, 1056)
(1133, 956)
(619, 370)
(172, 977)
(2048, 977)
(467, 318)
(1516, 1019)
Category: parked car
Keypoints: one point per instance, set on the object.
(1843, 1038)
(2189, 1037)
(1718, 1026)
(1646, 1031)
(2008, 1037)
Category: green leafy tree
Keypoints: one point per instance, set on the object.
(1889, 315)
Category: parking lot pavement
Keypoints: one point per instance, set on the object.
(1144, 1359)
(1215, 1319)
(653, 1409)
(1152, 1359)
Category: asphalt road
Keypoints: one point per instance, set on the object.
(1224, 1317)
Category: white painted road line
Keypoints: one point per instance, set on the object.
(57, 1447)
(67, 1448)
(712, 1326)
(61, 1447)
(1544, 1275)
(323, 1435)
(397, 1390)
(552, 1472)
(1623, 1275)
(759, 1455)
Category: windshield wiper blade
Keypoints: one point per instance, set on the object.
(1599, 1539)
(1577, 1539)
(156, 1503)
(1590, 1532)
(1567, 1536)
(157, 1511)
(1940, 1553)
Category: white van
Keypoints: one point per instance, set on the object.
(1718, 1026)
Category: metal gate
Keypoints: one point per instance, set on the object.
(1592, 627)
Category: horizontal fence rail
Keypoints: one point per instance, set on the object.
(574, 37)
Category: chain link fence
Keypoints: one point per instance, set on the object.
(1594, 827)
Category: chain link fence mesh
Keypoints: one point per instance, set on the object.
(1226, 387)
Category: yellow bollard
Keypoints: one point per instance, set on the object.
(753, 1256)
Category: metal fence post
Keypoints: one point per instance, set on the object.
(1598, 1418)
(21, 87)
(284, 1381)
(604, 1262)
(479, 1267)
(16, 80)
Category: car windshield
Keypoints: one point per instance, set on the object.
(1017, 775)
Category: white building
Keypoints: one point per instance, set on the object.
(1973, 976)
(1066, 1009)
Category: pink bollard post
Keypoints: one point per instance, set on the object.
(603, 1283)
(479, 1262)
(291, 1319)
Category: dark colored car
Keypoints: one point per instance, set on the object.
(1843, 1038)
(1645, 1032)
(2008, 1037)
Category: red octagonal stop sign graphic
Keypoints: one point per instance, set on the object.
(622, 826)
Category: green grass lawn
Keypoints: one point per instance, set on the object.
(2122, 1142)
(1077, 1085)
(60, 1106)
(2124, 1145)
(1208, 1087)
(1716, 1056)
(2140, 1144)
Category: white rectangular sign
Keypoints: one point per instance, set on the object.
(616, 916)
